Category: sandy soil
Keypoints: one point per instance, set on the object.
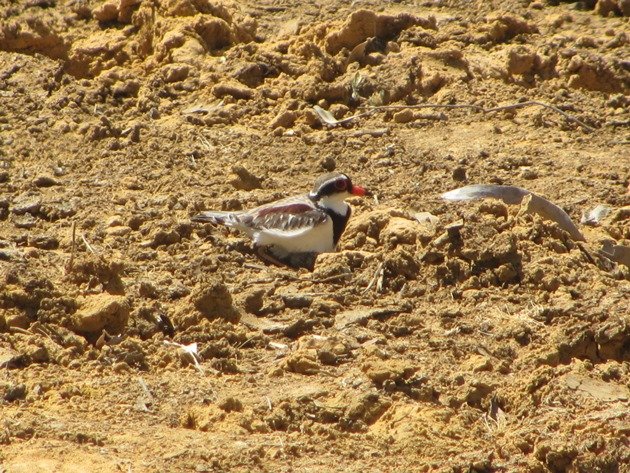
(498, 343)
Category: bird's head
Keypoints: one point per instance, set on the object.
(336, 184)
(332, 189)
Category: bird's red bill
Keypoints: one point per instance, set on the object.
(358, 190)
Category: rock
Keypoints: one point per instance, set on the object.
(26, 203)
(214, 32)
(364, 24)
(213, 300)
(477, 363)
(45, 181)
(404, 116)
(17, 319)
(310, 117)
(328, 163)
(43, 242)
(114, 221)
(296, 300)
(118, 231)
(459, 173)
(616, 7)
(126, 9)
(9, 358)
(4, 208)
(103, 311)
(7, 254)
(15, 392)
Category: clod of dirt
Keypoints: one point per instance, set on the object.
(303, 361)
(91, 270)
(587, 386)
(120, 10)
(230, 404)
(504, 26)
(102, 311)
(364, 410)
(244, 179)
(9, 358)
(364, 24)
(233, 89)
(285, 119)
(594, 72)
(403, 231)
(172, 73)
(107, 11)
(164, 238)
(401, 263)
(252, 300)
(369, 225)
(214, 300)
(380, 371)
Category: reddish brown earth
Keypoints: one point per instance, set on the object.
(503, 345)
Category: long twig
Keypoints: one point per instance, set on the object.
(424, 105)
(477, 108)
(569, 117)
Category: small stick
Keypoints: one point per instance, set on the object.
(328, 279)
(258, 267)
(89, 247)
(374, 278)
(20, 330)
(74, 237)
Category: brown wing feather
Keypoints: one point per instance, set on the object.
(288, 217)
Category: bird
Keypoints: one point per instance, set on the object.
(307, 224)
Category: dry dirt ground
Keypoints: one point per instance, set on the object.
(499, 345)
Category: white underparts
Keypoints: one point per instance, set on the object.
(317, 239)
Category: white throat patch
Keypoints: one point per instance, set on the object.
(336, 203)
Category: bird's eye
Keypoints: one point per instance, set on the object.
(341, 185)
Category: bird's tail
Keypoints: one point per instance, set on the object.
(216, 217)
(212, 216)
